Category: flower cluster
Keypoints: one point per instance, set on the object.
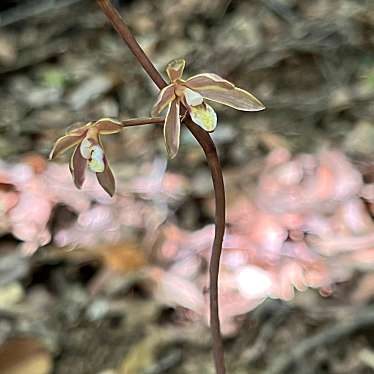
(89, 151)
(189, 94)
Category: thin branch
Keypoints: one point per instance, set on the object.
(210, 151)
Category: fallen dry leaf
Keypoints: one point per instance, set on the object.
(25, 355)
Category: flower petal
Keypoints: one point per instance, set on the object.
(85, 148)
(193, 98)
(172, 129)
(79, 128)
(78, 168)
(204, 116)
(63, 144)
(208, 80)
(96, 161)
(165, 97)
(235, 98)
(106, 179)
(107, 126)
(175, 69)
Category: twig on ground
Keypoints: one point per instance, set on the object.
(330, 335)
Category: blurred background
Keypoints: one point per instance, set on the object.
(90, 284)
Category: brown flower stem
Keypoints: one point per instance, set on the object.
(142, 121)
(210, 151)
(214, 164)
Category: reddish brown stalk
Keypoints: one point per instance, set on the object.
(209, 148)
(142, 121)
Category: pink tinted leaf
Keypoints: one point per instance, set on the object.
(174, 290)
(107, 126)
(78, 168)
(235, 98)
(208, 81)
(253, 282)
(165, 97)
(63, 144)
(106, 179)
(172, 129)
(175, 69)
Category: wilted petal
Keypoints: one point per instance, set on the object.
(78, 168)
(64, 144)
(96, 161)
(208, 80)
(165, 97)
(106, 179)
(235, 98)
(193, 98)
(204, 116)
(175, 69)
(107, 126)
(172, 129)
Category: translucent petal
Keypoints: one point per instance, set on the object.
(172, 129)
(204, 116)
(78, 168)
(235, 98)
(106, 179)
(107, 126)
(175, 69)
(165, 97)
(208, 80)
(96, 162)
(193, 98)
(63, 144)
(85, 148)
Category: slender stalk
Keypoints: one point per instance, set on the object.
(142, 121)
(214, 164)
(210, 151)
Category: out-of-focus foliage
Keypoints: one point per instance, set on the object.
(309, 225)
(31, 190)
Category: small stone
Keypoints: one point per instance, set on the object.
(11, 294)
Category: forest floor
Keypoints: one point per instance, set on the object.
(82, 303)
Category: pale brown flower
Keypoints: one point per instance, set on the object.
(89, 151)
(192, 94)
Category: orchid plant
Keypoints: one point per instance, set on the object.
(185, 101)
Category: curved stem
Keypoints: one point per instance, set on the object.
(210, 151)
(214, 164)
